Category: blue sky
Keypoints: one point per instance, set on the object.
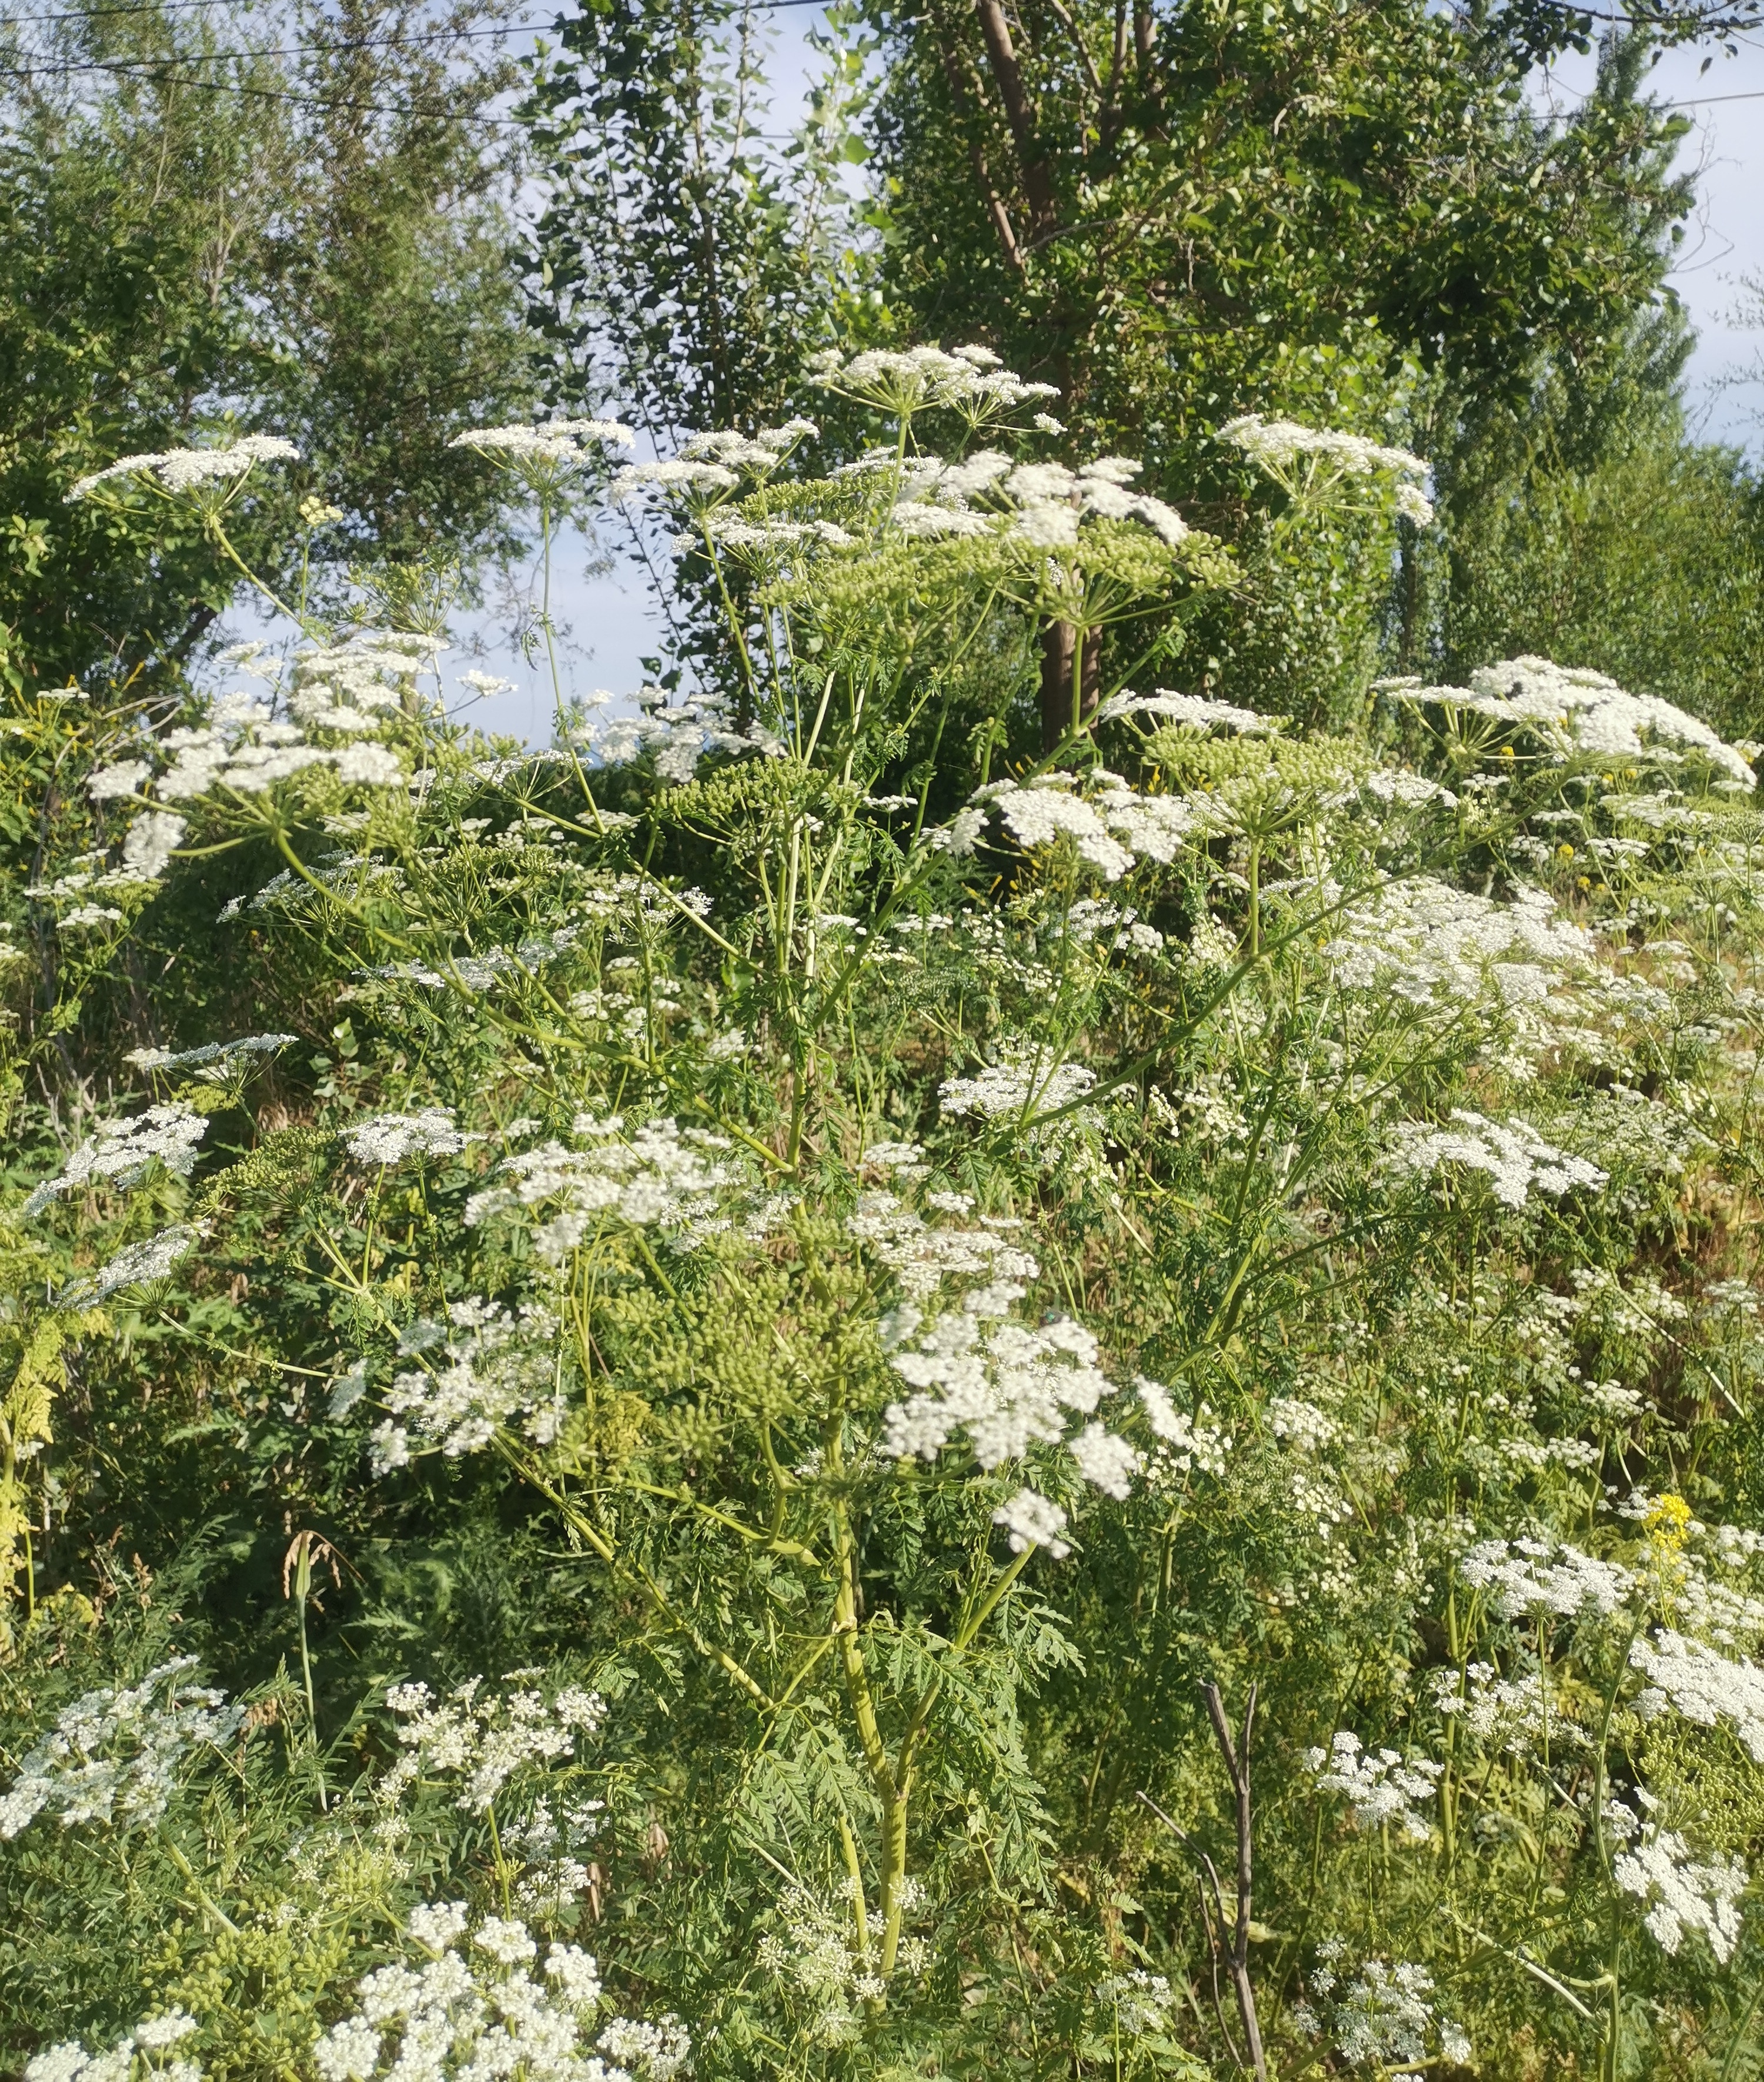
(610, 621)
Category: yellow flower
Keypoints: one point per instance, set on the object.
(1668, 1523)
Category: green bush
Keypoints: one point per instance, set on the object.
(796, 1385)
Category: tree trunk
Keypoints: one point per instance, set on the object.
(1059, 641)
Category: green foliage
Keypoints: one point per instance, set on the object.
(222, 220)
(725, 1327)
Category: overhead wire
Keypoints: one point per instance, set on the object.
(283, 51)
(153, 67)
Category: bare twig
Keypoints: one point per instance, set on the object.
(1237, 1765)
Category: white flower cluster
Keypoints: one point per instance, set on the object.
(483, 1741)
(389, 1137)
(1277, 444)
(1425, 941)
(1704, 1687)
(1384, 2016)
(1007, 1387)
(135, 1265)
(1031, 1520)
(762, 453)
(1512, 1153)
(113, 1755)
(813, 1948)
(546, 1842)
(1012, 1386)
(215, 1061)
(490, 1363)
(684, 1181)
(473, 2010)
(119, 1153)
(1142, 2002)
(1405, 790)
(1091, 917)
(1184, 1441)
(730, 533)
(677, 737)
(1528, 1577)
(188, 469)
(675, 475)
(1301, 1424)
(1512, 1714)
(348, 686)
(1196, 711)
(552, 441)
(922, 1258)
(968, 380)
(147, 848)
(244, 747)
(1040, 504)
(1380, 1786)
(1023, 1086)
(1577, 711)
(149, 2041)
(710, 464)
(1685, 1893)
(1111, 829)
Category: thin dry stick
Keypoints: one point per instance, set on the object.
(1237, 1765)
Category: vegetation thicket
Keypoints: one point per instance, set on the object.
(1016, 1329)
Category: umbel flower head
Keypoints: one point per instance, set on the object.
(113, 1755)
(171, 471)
(969, 380)
(545, 456)
(474, 2007)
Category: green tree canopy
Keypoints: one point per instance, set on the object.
(278, 220)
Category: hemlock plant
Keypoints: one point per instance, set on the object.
(813, 1386)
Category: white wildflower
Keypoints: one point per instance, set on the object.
(112, 783)
(1275, 445)
(1006, 1388)
(1513, 1714)
(1580, 712)
(1380, 1786)
(553, 441)
(1032, 1521)
(1685, 1893)
(389, 1137)
(1023, 1087)
(120, 1152)
(368, 766)
(113, 1756)
(472, 2014)
(187, 469)
(1196, 710)
(214, 1062)
(486, 1365)
(1704, 1687)
(1187, 1442)
(1426, 942)
(1142, 2002)
(148, 845)
(1524, 1576)
(135, 1265)
(684, 1181)
(1515, 1157)
(1386, 2017)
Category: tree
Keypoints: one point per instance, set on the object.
(276, 220)
(1174, 216)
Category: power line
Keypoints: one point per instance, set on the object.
(96, 14)
(225, 57)
(146, 67)
(182, 7)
